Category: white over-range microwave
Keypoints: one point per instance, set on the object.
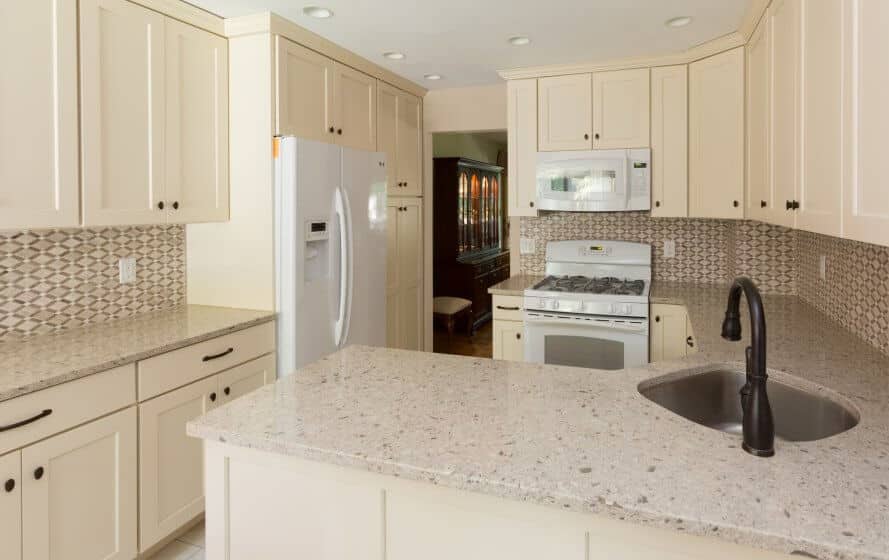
(594, 181)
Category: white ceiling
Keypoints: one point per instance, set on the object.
(466, 40)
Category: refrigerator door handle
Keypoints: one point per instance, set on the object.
(341, 206)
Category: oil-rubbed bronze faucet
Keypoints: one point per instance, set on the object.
(759, 428)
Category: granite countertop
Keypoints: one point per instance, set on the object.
(38, 362)
(515, 285)
(587, 441)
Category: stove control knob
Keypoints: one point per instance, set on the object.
(612, 308)
(542, 303)
(555, 304)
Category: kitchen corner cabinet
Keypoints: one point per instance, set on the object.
(38, 112)
(404, 273)
(669, 141)
(11, 506)
(399, 136)
(79, 492)
(716, 136)
(154, 118)
(521, 141)
(621, 102)
(671, 334)
(564, 113)
(509, 328)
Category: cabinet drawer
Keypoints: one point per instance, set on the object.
(180, 367)
(508, 308)
(70, 404)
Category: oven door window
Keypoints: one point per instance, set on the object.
(582, 351)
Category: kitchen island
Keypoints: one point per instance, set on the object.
(379, 453)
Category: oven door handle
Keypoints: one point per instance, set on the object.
(616, 325)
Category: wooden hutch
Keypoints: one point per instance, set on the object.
(468, 230)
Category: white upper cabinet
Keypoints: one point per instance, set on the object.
(669, 141)
(355, 108)
(196, 151)
(866, 204)
(820, 194)
(785, 112)
(38, 112)
(304, 80)
(621, 109)
(399, 137)
(759, 180)
(522, 146)
(565, 105)
(716, 136)
(122, 109)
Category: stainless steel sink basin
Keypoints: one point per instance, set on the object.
(711, 399)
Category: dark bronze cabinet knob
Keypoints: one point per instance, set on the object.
(227, 391)
(657, 318)
(788, 205)
(176, 205)
(518, 336)
(597, 136)
(339, 131)
(212, 397)
(531, 204)
(160, 205)
(331, 130)
(38, 473)
(762, 204)
(657, 203)
(690, 341)
(10, 485)
(586, 136)
(735, 203)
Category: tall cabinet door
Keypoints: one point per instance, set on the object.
(866, 204)
(621, 109)
(196, 151)
(354, 108)
(393, 211)
(11, 506)
(38, 135)
(410, 274)
(410, 142)
(387, 134)
(521, 122)
(759, 118)
(122, 109)
(79, 492)
(820, 192)
(171, 464)
(669, 141)
(716, 136)
(565, 113)
(304, 90)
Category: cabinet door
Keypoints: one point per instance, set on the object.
(565, 113)
(196, 151)
(668, 332)
(410, 274)
(669, 141)
(393, 211)
(866, 204)
(245, 378)
(387, 134)
(409, 145)
(79, 492)
(785, 111)
(11, 506)
(508, 343)
(38, 136)
(522, 146)
(621, 109)
(122, 112)
(171, 464)
(759, 140)
(354, 108)
(304, 92)
(716, 136)
(820, 185)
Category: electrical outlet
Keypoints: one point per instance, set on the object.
(127, 268)
(822, 267)
(527, 246)
(669, 248)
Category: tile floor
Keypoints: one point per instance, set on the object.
(189, 546)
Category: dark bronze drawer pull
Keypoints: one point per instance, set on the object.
(217, 356)
(26, 421)
(690, 341)
(507, 308)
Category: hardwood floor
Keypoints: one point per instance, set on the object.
(480, 345)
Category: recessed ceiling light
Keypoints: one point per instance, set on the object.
(317, 12)
(432, 76)
(680, 21)
(519, 40)
(394, 55)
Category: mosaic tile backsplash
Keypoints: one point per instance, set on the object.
(57, 279)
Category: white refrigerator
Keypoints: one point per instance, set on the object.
(330, 244)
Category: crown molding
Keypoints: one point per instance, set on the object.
(755, 11)
(186, 13)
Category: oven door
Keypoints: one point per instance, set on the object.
(586, 341)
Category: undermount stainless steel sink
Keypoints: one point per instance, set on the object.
(712, 399)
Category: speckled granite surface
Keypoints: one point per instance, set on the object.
(515, 285)
(586, 440)
(39, 362)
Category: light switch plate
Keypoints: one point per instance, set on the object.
(127, 268)
(527, 246)
(822, 267)
(669, 248)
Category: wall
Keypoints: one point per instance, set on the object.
(57, 279)
(479, 147)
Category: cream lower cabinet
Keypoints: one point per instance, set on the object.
(11, 506)
(399, 137)
(171, 480)
(79, 492)
(404, 273)
(671, 335)
(509, 328)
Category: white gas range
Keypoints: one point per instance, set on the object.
(591, 310)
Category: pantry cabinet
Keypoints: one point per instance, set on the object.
(399, 136)
(669, 141)
(11, 506)
(404, 272)
(38, 112)
(564, 113)
(79, 492)
(716, 136)
(521, 140)
(621, 101)
(671, 334)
